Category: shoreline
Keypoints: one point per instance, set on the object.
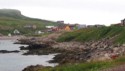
(10, 38)
(16, 54)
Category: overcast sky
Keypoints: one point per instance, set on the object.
(71, 11)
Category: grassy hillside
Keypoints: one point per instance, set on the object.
(13, 19)
(93, 66)
(89, 34)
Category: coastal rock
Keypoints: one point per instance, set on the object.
(74, 51)
(33, 68)
(5, 51)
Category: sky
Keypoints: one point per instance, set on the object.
(88, 12)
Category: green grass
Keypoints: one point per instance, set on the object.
(89, 34)
(92, 66)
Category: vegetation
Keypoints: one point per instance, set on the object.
(89, 34)
(93, 66)
(13, 19)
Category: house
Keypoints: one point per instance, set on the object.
(123, 22)
(30, 26)
(16, 32)
(60, 22)
(67, 28)
(81, 26)
(9, 35)
(61, 27)
(48, 27)
(39, 32)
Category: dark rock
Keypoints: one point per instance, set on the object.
(33, 68)
(5, 51)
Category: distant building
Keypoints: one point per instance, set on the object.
(60, 22)
(61, 27)
(81, 26)
(70, 27)
(67, 28)
(50, 27)
(16, 32)
(30, 26)
(39, 32)
(9, 35)
(123, 22)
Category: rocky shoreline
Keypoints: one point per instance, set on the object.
(74, 52)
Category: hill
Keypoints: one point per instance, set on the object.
(11, 13)
(11, 19)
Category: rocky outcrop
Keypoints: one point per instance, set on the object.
(38, 42)
(75, 51)
(93, 50)
(33, 68)
(43, 51)
(5, 51)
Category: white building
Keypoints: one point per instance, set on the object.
(16, 32)
(50, 27)
(9, 35)
(39, 32)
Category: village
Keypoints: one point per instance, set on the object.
(51, 29)
(60, 27)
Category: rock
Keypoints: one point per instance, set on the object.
(33, 68)
(23, 48)
(5, 51)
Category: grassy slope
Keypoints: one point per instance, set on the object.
(12, 19)
(89, 34)
(93, 66)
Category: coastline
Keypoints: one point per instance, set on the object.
(10, 38)
(73, 52)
